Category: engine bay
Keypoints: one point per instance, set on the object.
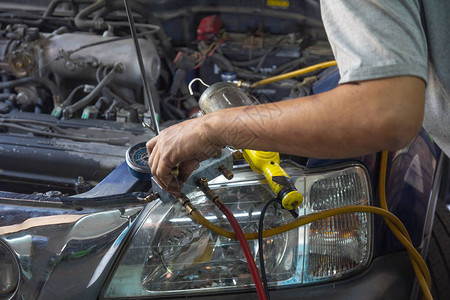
(71, 94)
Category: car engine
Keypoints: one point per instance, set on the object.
(71, 94)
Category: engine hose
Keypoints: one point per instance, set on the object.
(293, 64)
(149, 16)
(111, 141)
(69, 98)
(223, 63)
(247, 252)
(35, 23)
(81, 20)
(71, 109)
(295, 73)
(35, 122)
(56, 94)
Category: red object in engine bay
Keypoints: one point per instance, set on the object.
(208, 28)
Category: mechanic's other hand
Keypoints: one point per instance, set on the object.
(185, 144)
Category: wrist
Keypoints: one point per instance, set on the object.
(213, 129)
(229, 127)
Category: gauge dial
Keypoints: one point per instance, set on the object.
(137, 161)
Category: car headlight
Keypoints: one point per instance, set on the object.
(171, 254)
(9, 275)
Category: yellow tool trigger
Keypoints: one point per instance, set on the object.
(268, 163)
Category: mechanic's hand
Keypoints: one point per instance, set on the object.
(185, 144)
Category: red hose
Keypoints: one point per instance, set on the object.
(248, 254)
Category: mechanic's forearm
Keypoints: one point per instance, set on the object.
(351, 120)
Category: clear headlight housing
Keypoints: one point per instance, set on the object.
(9, 274)
(171, 254)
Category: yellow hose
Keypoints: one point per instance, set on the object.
(295, 73)
(214, 228)
(419, 266)
(396, 226)
(398, 229)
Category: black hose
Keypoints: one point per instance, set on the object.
(260, 245)
(48, 12)
(121, 100)
(21, 81)
(81, 20)
(149, 16)
(167, 112)
(41, 123)
(112, 141)
(40, 80)
(179, 79)
(226, 66)
(69, 98)
(111, 92)
(70, 110)
(248, 75)
(293, 64)
(247, 63)
(171, 108)
(223, 63)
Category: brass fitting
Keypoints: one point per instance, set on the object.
(184, 200)
(225, 172)
(149, 198)
(237, 155)
(203, 183)
(210, 194)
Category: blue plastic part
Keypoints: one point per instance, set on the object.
(140, 175)
(119, 181)
(228, 76)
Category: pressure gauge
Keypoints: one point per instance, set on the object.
(137, 161)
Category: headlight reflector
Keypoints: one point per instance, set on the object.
(171, 254)
(9, 275)
(339, 244)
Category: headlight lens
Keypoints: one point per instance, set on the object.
(9, 275)
(340, 244)
(171, 254)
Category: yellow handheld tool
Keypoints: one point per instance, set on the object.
(268, 163)
(226, 94)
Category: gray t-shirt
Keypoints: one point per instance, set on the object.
(384, 38)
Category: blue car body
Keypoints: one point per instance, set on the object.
(69, 247)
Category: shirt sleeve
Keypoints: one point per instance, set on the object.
(374, 39)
